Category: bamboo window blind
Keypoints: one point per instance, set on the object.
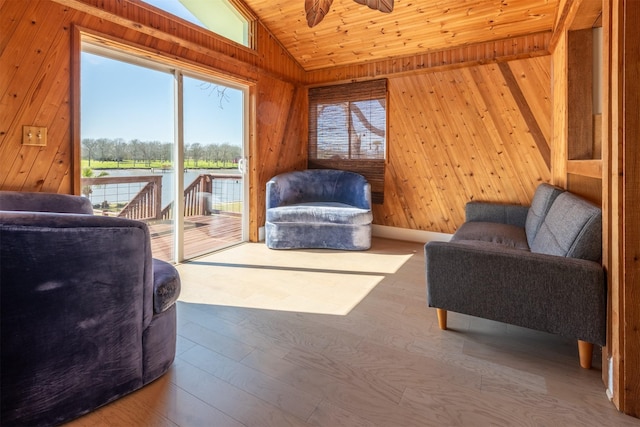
(348, 130)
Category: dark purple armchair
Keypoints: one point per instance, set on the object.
(87, 315)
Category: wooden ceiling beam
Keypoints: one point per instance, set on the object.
(481, 53)
(575, 15)
(527, 114)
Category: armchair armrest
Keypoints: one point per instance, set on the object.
(496, 212)
(166, 285)
(565, 296)
(358, 195)
(272, 196)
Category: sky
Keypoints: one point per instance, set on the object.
(176, 8)
(121, 100)
(217, 15)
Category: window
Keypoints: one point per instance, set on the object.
(348, 130)
(219, 16)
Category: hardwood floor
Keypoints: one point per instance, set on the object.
(256, 361)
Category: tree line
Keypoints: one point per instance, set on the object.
(143, 153)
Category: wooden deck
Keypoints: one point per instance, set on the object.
(202, 234)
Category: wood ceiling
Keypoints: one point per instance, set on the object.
(352, 33)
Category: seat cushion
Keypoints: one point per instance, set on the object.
(318, 213)
(542, 200)
(291, 235)
(503, 234)
(572, 228)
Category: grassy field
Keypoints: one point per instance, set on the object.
(234, 207)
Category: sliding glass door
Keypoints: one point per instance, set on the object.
(166, 148)
(213, 165)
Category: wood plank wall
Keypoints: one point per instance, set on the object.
(631, 197)
(34, 85)
(560, 117)
(622, 196)
(461, 135)
(281, 147)
(461, 126)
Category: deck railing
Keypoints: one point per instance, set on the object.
(207, 194)
(145, 205)
(203, 195)
(194, 200)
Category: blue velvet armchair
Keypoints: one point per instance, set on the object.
(318, 208)
(87, 315)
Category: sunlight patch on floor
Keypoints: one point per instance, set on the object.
(307, 281)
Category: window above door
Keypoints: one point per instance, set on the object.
(227, 18)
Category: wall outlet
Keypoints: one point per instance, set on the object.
(34, 135)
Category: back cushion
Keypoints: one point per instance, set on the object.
(572, 228)
(542, 200)
(318, 185)
(44, 202)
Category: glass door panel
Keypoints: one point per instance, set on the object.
(127, 137)
(213, 150)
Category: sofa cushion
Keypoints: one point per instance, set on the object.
(572, 228)
(502, 213)
(542, 200)
(320, 212)
(503, 234)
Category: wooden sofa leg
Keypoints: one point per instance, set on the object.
(442, 318)
(585, 350)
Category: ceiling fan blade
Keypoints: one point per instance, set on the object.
(385, 6)
(316, 10)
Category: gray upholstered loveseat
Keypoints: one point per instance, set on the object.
(538, 267)
(318, 208)
(87, 315)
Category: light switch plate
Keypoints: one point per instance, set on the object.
(34, 135)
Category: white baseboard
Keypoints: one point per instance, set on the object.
(408, 235)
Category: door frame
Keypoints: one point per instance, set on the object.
(123, 50)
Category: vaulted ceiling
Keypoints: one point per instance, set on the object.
(352, 33)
